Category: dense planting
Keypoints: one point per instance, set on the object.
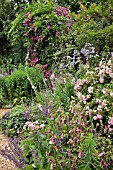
(60, 87)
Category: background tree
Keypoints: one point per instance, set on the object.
(7, 14)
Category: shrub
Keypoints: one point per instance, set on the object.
(18, 86)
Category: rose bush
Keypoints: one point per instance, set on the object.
(78, 136)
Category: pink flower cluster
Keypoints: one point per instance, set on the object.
(33, 62)
(62, 11)
(34, 125)
(98, 117)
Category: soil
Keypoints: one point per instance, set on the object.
(5, 164)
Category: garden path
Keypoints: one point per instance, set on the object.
(4, 163)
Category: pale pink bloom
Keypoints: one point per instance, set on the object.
(27, 123)
(110, 71)
(90, 89)
(101, 63)
(101, 80)
(79, 154)
(101, 154)
(51, 141)
(88, 96)
(97, 117)
(73, 81)
(83, 98)
(32, 126)
(79, 95)
(110, 129)
(83, 81)
(104, 91)
(110, 121)
(87, 81)
(103, 66)
(111, 94)
(98, 101)
(79, 82)
(103, 71)
(42, 126)
(51, 166)
(36, 122)
(104, 103)
(111, 75)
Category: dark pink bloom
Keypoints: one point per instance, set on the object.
(47, 74)
(37, 37)
(33, 62)
(44, 66)
(51, 140)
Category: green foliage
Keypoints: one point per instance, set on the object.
(16, 87)
(94, 26)
(7, 15)
(12, 122)
(40, 30)
(90, 157)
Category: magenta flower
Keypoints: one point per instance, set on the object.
(33, 62)
(37, 37)
(51, 141)
(48, 26)
(56, 33)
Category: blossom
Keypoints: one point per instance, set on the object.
(27, 14)
(111, 94)
(48, 26)
(111, 75)
(33, 62)
(110, 121)
(97, 117)
(42, 126)
(79, 154)
(104, 90)
(37, 37)
(101, 80)
(90, 89)
(51, 141)
(56, 32)
(102, 71)
(101, 154)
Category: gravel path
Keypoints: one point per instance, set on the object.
(4, 163)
